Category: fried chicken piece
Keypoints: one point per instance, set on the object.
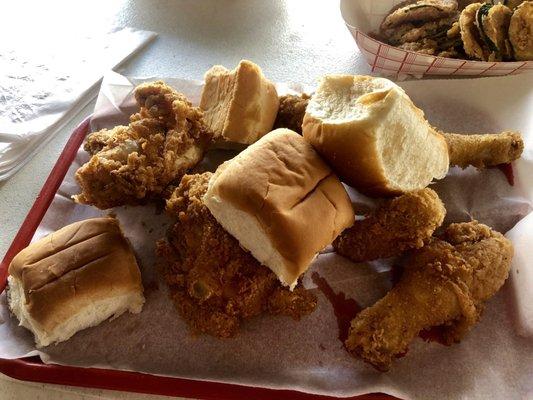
(444, 284)
(130, 164)
(291, 112)
(96, 141)
(484, 150)
(214, 283)
(403, 223)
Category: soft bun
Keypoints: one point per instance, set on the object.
(73, 279)
(281, 202)
(373, 136)
(240, 106)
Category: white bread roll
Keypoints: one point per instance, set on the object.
(281, 202)
(373, 136)
(240, 106)
(73, 279)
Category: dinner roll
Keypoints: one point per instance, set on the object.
(281, 202)
(239, 106)
(373, 136)
(73, 279)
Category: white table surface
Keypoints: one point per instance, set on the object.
(292, 40)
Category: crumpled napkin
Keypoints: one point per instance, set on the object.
(42, 88)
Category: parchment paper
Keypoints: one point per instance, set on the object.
(276, 352)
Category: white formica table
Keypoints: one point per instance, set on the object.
(292, 40)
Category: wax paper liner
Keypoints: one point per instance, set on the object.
(492, 361)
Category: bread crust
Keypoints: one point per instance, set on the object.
(67, 270)
(284, 185)
(353, 142)
(240, 106)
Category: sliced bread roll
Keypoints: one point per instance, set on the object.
(281, 202)
(73, 279)
(240, 106)
(373, 136)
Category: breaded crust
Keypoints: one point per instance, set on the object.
(406, 222)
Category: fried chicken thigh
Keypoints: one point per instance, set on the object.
(132, 163)
(403, 223)
(444, 284)
(214, 283)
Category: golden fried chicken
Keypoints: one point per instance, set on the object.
(444, 284)
(484, 150)
(130, 164)
(403, 223)
(214, 283)
(291, 112)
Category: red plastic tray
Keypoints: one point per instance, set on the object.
(33, 369)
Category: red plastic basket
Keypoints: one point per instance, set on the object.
(33, 369)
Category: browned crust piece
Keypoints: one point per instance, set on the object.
(81, 263)
(421, 11)
(214, 283)
(403, 223)
(291, 112)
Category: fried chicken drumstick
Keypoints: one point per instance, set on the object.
(477, 150)
(214, 283)
(132, 163)
(403, 223)
(483, 150)
(444, 284)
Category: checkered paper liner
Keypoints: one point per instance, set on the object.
(363, 16)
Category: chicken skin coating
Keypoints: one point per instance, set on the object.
(403, 223)
(291, 112)
(130, 164)
(444, 284)
(484, 150)
(214, 283)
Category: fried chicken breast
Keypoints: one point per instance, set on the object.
(214, 283)
(444, 284)
(130, 164)
(403, 223)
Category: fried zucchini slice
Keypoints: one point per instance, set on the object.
(421, 11)
(521, 31)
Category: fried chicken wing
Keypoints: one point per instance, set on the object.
(132, 163)
(403, 223)
(291, 112)
(214, 283)
(483, 150)
(444, 284)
